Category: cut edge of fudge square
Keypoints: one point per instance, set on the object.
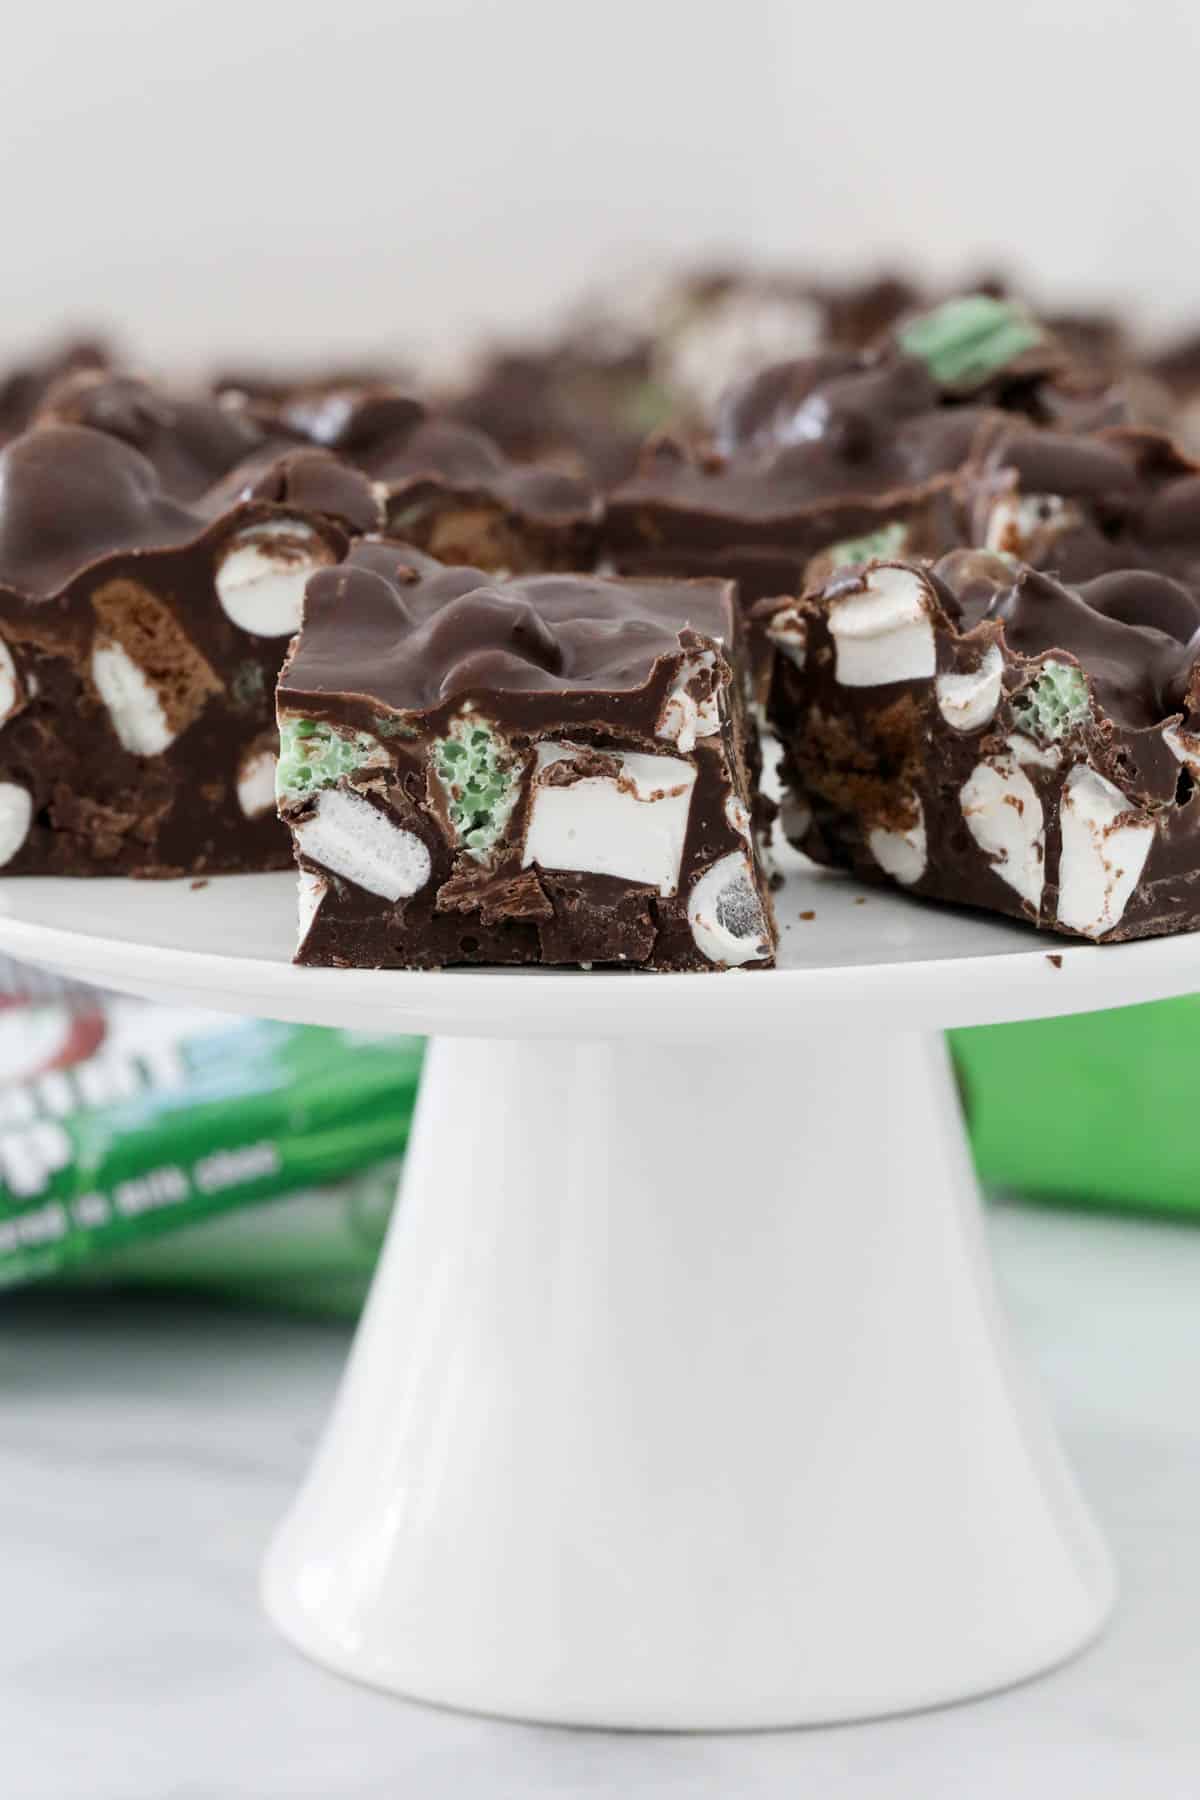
(978, 732)
(550, 769)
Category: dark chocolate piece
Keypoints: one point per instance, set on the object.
(653, 353)
(981, 733)
(140, 640)
(811, 457)
(578, 407)
(191, 440)
(1088, 505)
(448, 488)
(554, 769)
(22, 389)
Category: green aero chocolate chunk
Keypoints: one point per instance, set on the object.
(1055, 703)
(966, 340)
(314, 756)
(481, 782)
(889, 540)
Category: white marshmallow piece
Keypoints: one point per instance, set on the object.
(10, 684)
(354, 839)
(737, 817)
(682, 720)
(256, 784)
(1105, 843)
(789, 634)
(1015, 521)
(1031, 755)
(901, 854)
(310, 892)
(733, 338)
(968, 702)
(632, 825)
(261, 578)
(1004, 816)
(884, 633)
(725, 914)
(16, 816)
(1184, 747)
(131, 700)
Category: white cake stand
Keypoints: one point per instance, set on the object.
(683, 1398)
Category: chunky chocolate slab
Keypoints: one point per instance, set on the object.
(979, 732)
(550, 769)
(650, 350)
(191, 439)
(838, 456)
(140, 640)
(844, 454)
(1089, 504)
(446, 487)
(24, 386)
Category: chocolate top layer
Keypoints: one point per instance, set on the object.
(308, 480)
(441, 453)
(580, 407)
(802, 438)
(1135, 634)
(395, 626)
(23, 389)
(68, 496)
(360, 421)
(191, 440)
(388, 435)
(841, 400)
(1093, 503)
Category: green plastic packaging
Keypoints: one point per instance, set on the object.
(120, 1121)
(1093, 1111)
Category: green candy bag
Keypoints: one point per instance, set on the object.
(121, 1122)
(1089, 1111)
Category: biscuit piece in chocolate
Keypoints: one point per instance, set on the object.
(979, 732)
(552, 769)
(140, 640)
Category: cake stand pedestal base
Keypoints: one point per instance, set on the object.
(682, 1400)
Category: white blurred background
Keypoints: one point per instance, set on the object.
(308, 177)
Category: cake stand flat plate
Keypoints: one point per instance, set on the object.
(866, 957)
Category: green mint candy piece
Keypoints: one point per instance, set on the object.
(314, 756)
(889, 540)
(481, 783)
(964, 341)
(1053, 704)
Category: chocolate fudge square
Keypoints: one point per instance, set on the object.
(549, 769)
(979, 732)
(841, 455)
(140, 641)
(1082, 505)
(446, 487)
(192, 440)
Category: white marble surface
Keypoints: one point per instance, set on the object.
(146, 1449)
